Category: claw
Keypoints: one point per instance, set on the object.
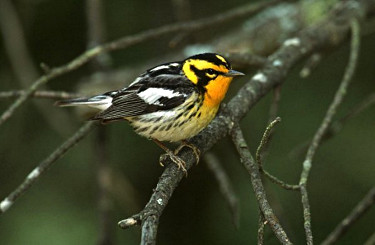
(196, 151)
(178, 161)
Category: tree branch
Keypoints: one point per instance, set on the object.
(45, 94)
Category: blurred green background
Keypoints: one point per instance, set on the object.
(61, 208)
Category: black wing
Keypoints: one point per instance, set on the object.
(149, 94)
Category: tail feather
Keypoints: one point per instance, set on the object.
(101, 102)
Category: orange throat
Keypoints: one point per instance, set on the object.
(216, 91)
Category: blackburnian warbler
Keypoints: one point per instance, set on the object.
(170, 102)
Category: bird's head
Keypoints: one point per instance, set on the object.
(211, 73)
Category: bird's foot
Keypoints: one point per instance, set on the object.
(196, 151)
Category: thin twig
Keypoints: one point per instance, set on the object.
(128, 41)
(225, 186)
(279, 182)
(360, 209)
(40, 94)
(261, 225)
(265, 139)
(252, 167)
(340, 93)
(43, 166)
(258, 156)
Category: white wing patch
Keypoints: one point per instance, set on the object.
(161, 67)
(136, 80)
(152, 95)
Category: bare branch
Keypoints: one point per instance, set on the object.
(258, 156)
(128, 41)
(261, 224)
(340, 93)
(43, 166)
(225, 186)
(359, 210)
(252, 167)
(265, 139)
(40, 94)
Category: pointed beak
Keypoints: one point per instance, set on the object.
(233, 73)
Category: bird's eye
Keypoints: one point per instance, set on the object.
(211, 71)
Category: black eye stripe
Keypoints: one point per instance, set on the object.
(202, 73)
(211, 57)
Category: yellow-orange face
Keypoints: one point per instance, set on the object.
(212, 73)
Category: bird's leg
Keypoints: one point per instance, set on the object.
(196, 151)
(178, 161)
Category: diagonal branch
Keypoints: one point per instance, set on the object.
(45, 94)
(43, 166)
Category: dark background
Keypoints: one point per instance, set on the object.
(61, 208)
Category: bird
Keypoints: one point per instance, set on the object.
(171, 102)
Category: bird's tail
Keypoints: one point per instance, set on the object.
(101, 102)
